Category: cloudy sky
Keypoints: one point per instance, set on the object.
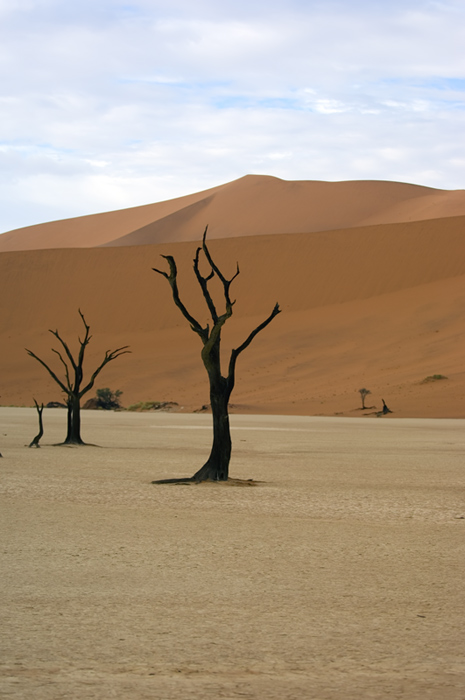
(106, 104)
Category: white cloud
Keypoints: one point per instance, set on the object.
(106, 104)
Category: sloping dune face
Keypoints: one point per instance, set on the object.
(379, 306)
(253, 205)
(95, 229)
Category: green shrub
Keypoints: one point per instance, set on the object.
(433, 378)
(151, 405)
(108, 399)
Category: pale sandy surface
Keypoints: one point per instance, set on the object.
(339, 577)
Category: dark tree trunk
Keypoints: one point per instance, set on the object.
(216, 468)
(73, 435)
(36, 440)
(69, 422)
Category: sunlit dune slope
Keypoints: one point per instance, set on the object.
(95, 229)
(381, 307)
(252, 205)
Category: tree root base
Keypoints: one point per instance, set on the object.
(74, 444)
(229, 482)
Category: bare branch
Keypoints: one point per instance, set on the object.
(84, 342)
(235, 353)
(203, 281)
(109, 356)
(172, 279)
(37, 405)
(65, 366)
(65, 346)
(50, 371)
(225, 282)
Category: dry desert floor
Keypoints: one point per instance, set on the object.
(338, 577)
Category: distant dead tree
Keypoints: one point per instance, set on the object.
(364, 393)
(74, 377)
(35, 441)
(216, 467)
(385, 410)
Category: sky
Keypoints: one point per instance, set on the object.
(106, 104)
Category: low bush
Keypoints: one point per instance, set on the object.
(433, 378)
(152, 405)
(108, 399)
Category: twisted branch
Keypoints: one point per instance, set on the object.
(71, 390)
(109, 356)
(236, 352)
(172, 278)
(49, 370)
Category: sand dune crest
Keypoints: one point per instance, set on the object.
(253, 205)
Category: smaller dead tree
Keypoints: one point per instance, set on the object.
(385, 410)
(72, 385)
(35, 441)
(364, 393)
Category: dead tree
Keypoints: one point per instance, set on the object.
(35, 441)
(364, 393)
(74, 377)
(216, 468)
(385, 410)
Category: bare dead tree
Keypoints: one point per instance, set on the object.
(74, 377)
(35, 441)
(216, 468)
(385, 410)
(364, 393)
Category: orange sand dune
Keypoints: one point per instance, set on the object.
(252, 205)
(261, 205)
(379, 306)
(95, 229)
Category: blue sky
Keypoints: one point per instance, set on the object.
(107, 104)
